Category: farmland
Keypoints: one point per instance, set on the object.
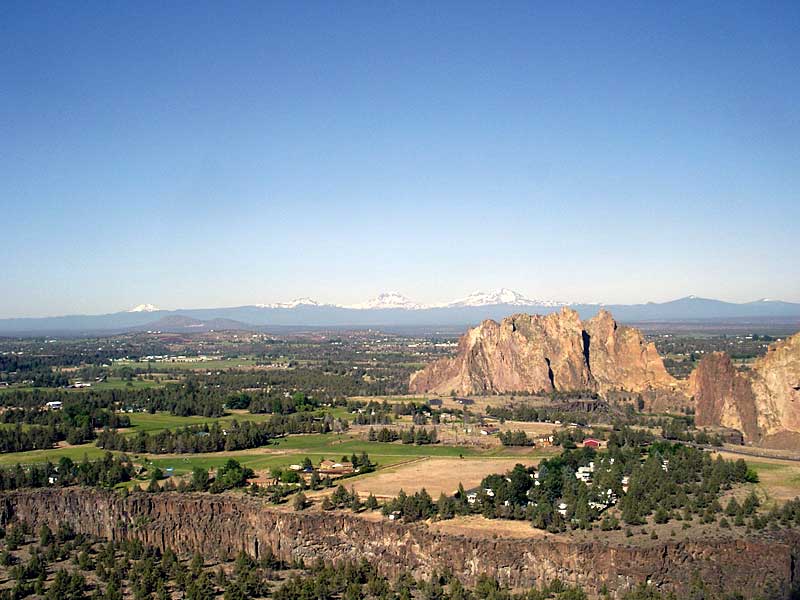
(355, 382)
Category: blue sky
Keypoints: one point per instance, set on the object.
(231, 153)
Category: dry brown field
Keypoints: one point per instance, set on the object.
(436, 475)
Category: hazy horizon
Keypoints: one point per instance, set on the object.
(225, 156)
(154, 307)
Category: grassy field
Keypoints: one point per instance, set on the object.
(206, 365)
(436, 467)
(113, 383)
(160, 421)
(778, 479)
(76, 453)
(292, 449)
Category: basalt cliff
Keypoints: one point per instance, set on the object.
(222, 525)
(556, 352)
(762, 402)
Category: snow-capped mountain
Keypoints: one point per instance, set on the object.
(396, 300)
(304, 312)
(388, 300)
(293, 303)
(144, 308)
(500, 296)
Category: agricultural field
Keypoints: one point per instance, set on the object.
(779, 479)
(200, 365)
(436, 475)
(112, 383)
(153, 423)
(76, 453)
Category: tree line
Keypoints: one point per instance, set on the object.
(233, 435)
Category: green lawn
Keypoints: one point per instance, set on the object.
(76, 453)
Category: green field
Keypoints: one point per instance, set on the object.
(76, 453)
(112, 383)
(292, 449)
(206, 365)
(162, 420)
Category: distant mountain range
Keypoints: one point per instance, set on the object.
(387, 310)
(387, 300)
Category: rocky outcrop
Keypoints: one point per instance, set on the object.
(223, 525)
(762, 402)
(546, 353)
(724, 396)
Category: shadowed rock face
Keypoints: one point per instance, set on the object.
(222, 525)
(723, 396)
(546, 353)
(763, 403)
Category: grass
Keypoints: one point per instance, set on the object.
(282, 453)
(162, 420)
(76, 453)
(112, 383)
(185, 463)
(207, 365)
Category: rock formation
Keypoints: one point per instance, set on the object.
(762, 402)
(556, 352)
(222, 525)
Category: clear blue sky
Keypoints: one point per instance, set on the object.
(232, 153)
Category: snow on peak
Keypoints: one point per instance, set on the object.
(396, 300)
(144, 308)
(292, 303)
(387, 300)
(501, 296)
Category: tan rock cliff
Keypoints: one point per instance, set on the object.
(762, 402)
(545, 353)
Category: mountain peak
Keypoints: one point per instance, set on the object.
(501, 296)
(388, 300)
(144, 308)
(292, 303)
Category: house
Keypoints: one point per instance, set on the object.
(584, 474)
(263, 478)
(53, 405)
(329, 467)
(591, 443)
(489, 430)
